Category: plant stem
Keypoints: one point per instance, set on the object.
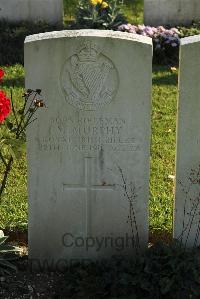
(2, 158)
(13, 108)
(21, 124)
(6, 172)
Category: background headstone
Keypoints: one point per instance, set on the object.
(50, 11)
(187, 195)
(171, 12)
(90, 143)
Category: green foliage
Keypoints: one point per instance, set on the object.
(96, 17)
(5, 265)
(12, 38)
(12, 142)
(189, 31)
(133, 10)
(13, 209)
(12, 147)
(164, 271)
(70, 7)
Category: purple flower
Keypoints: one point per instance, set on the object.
(155, 30)
(160, 35)
(141, 27)
(161, 29)
(158, 47)
(175, 30)
(132, 30)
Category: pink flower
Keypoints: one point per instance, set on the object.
(141, 27)
(175, 30)
(161, 28)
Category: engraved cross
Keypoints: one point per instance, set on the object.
(87, 188)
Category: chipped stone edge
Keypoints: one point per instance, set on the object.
(190, 40)
(88, 33)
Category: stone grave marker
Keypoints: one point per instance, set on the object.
(171, 12)
(187, 199)
(89, 149)
(50, 11)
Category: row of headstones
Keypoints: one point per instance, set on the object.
(171, 12)
(89, 149)
(156, 12)
(50, 11)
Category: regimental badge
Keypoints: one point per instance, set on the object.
(89, 79)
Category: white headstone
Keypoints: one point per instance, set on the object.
(187, 204)
(92, 137)
(50, 11)
(171, 12)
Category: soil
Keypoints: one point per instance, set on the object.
(32, 285)
(24, 284)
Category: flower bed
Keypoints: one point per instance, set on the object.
(165, 41)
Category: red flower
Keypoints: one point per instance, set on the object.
(1, 74)
(5, 106)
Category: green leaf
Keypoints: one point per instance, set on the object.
(8, 249)
(166, 285)
(9, 125)
(16, 147)
(7, 264)
(3, 239)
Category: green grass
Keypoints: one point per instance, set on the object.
(13, 209)
(164, 101)
(133, 10)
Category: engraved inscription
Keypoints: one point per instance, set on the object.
(88, 134)
(89, 79)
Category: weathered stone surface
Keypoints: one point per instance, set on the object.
(171, 12)
(187, 204)
(93, 134)
(50, 11)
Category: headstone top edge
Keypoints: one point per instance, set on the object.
(88, 33)
(190, 40)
